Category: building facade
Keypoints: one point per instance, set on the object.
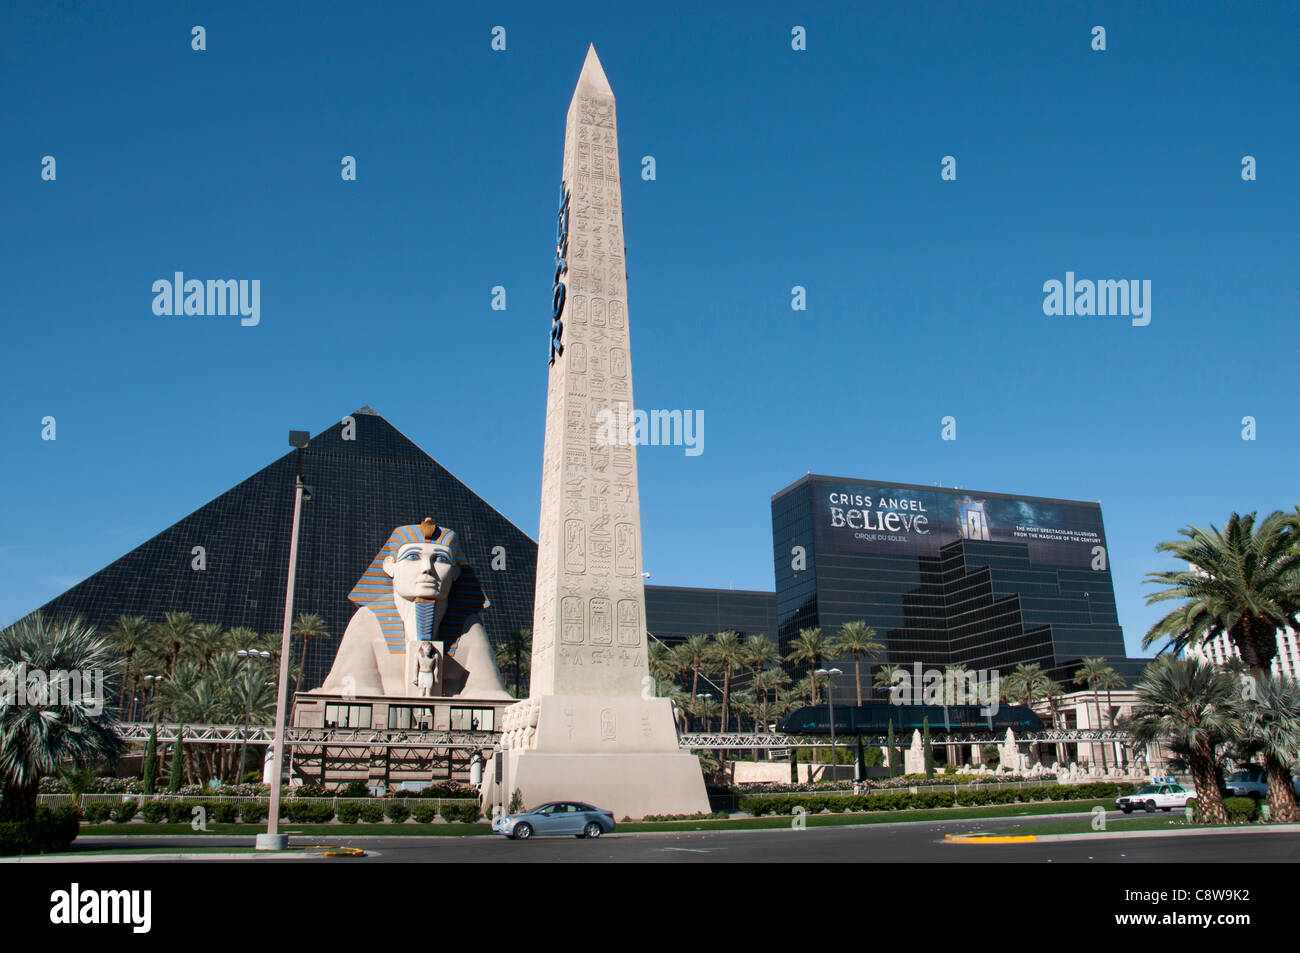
(1221, 651)
(984, 580)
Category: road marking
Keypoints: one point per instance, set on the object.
(980, 839)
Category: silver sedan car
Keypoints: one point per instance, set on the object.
(572, 818)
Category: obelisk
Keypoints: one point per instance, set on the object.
(591, 728)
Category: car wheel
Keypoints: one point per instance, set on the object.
(592, 830)
(1150, 807)
(523, 831)
(1127, 810)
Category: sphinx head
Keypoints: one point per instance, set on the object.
(422, 572)
(421, 564)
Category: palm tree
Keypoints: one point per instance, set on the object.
(42, 734)
(859, 639)
(1026, 685)
(242, 637)
(170, 635)
(515, 655)
(308, 626)
(954, 675)
(885, 674)
(783, 701)
(662, 660)
(1053, 691)
(1092, 674)
(1109, 679)
(803, 689)
(127, 637)
(208, 639)
(729, 654)
(677, 695)
(770, 684)
(1272, 720)
(1190, 703)
(759, 653)
(809, 646)
(1242, 581)
(703, 706)
(695, 653)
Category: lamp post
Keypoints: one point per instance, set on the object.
(153, 681)
(248, 654)
(273, 839)
(830, 699)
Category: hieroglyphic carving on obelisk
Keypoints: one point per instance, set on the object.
(589, 634)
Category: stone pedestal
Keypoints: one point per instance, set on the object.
(617, 753)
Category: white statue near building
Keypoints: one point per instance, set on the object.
(416, 630)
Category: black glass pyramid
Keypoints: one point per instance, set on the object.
(361, 489)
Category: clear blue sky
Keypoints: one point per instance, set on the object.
(775, 168)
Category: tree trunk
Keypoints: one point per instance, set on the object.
(1281, 796)
(1209, 800)
(1096, 698)
(695, 687)
(726, 696)
(857, 675)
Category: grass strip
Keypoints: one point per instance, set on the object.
(728, 824)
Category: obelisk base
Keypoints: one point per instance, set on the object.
(618, 753)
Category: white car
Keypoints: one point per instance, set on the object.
(1163, 793)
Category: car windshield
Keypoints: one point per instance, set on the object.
(1149, 789)
(1241, 775)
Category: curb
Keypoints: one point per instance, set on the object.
(170, 858)
(1116, 835)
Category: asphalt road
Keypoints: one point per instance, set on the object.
(872, 843)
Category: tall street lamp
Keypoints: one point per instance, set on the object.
(273, 839)
(830, 698)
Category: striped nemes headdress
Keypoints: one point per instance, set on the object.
(374, 589)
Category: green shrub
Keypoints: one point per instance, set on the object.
(900, 800)
(349, 812)
(98, 812)
(154, 811)
(1241, 810)
(460, 813)
(372, 813)
(310, 811)
(355, 789)
(310, 790)
(15, 838)
(125, 811)
(225, 812)
(397, 811)
(253, 812)
(179, 812)
(56, 829)
(50, 831)
(425, 813)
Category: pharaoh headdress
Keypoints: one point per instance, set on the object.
(374, 589)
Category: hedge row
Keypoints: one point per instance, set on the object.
(52, 830)
(903, 800)
(304, 811)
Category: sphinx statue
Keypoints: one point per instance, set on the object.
(416, 631)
